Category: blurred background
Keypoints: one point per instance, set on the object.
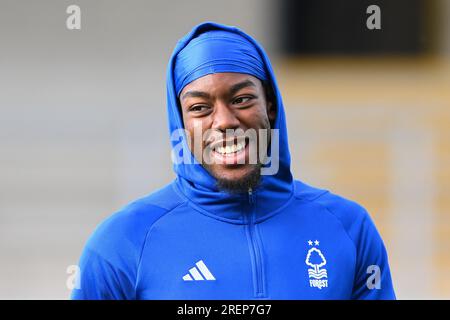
(83, 127)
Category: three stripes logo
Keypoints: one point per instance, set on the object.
(200, 272)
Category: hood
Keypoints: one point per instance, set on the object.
(197, 185)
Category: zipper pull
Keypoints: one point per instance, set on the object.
(250, 195)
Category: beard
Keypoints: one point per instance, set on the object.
(242, 185)
(250, 180)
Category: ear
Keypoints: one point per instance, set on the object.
(271, 111)
(271, 108)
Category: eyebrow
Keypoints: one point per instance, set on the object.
(195, 94)
(234, 88)
(238, 86)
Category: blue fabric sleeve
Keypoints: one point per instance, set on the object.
(110, 260)
(373, 276)
(101, 280)
(371, 256)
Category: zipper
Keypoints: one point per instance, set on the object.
(255, 250)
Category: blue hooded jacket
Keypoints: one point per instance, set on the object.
(188, 240)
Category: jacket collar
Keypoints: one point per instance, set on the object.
(255, 206)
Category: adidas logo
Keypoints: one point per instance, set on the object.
(202, 273)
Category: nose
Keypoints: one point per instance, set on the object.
(224, 118)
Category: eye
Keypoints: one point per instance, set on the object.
(241, 100)
(198, 108)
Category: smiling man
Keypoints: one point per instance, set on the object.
(234, 224)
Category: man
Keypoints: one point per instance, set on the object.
(232, 225)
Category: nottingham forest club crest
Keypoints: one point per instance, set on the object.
(315, 259)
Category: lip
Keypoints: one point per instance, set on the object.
(222, 143)
(236, 158)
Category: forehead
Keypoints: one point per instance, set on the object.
(220, 81)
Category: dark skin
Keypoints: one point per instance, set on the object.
(224, 101)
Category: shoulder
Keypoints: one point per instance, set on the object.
(129, 226)
(111, 257)
(351, 214)
(362, 232)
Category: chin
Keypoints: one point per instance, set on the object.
(231, 172)
(238, 179)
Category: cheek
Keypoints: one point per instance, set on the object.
(257, 118)
(196, 131)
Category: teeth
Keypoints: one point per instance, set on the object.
(231, 149)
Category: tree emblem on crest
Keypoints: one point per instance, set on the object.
(316, 260)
